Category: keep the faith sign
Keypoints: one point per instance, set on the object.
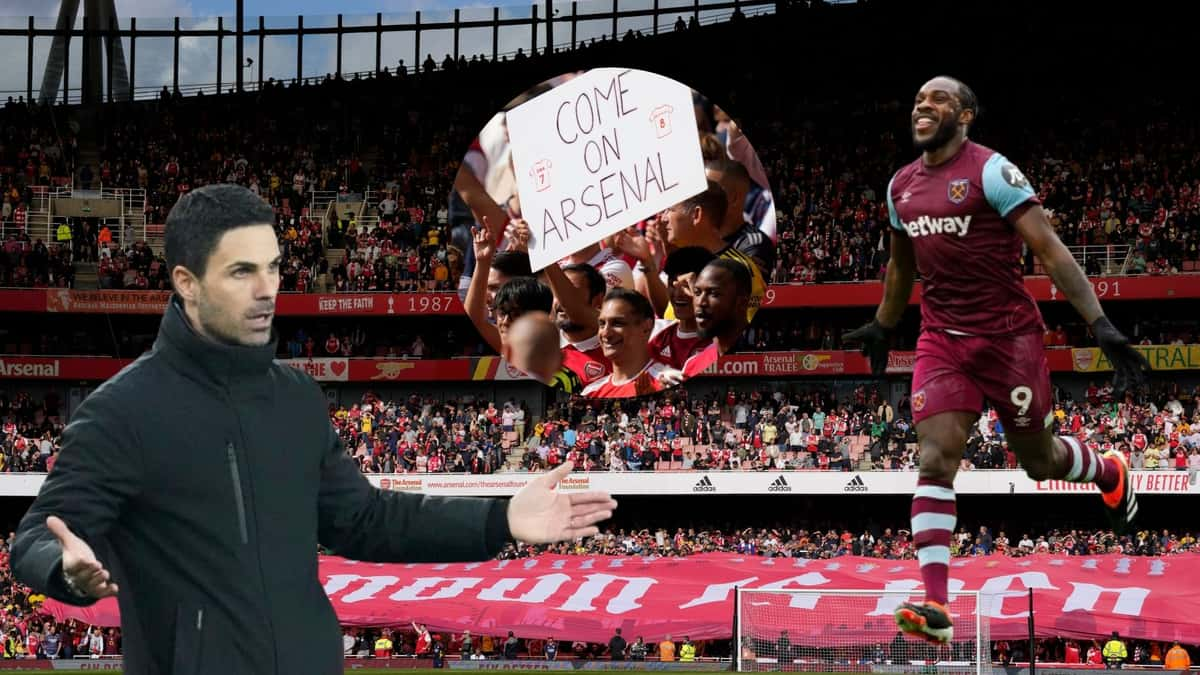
(600, 153)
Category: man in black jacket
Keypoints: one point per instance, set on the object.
(616, 647)
(203, 476)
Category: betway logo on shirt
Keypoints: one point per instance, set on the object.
(925, 226)
(10, 369)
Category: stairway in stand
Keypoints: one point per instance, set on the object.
(335, 256)
(89, 148)
(86, 278)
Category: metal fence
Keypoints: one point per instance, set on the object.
(546, 25)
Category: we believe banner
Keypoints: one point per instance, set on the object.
(586, 597)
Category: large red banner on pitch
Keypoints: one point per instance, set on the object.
(586, 597)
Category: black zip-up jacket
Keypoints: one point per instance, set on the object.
(204, 476)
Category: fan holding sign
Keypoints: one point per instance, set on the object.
(596, 155)
(578, 178)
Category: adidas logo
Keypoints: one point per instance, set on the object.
(856, 484)
(779, 485)
(704, 485)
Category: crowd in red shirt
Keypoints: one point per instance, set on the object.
(796, 427)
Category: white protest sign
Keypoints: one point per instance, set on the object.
(599, 153)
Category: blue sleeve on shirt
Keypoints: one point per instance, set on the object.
(1004, 185)
(892, 215)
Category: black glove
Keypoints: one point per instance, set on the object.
(1129, 366)
(566, 380)
(874, 338)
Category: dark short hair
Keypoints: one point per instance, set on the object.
(641, 306)
(523, 294)
(512, 263)
(201, 217)
(966, 96)
(729, 167)
(741, 275)
(595, 280)
(712, 200)
(687, 260)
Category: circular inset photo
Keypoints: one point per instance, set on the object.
(617, 229)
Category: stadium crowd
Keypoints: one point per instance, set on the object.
(801, 429)
(1109, 185)
(828, 195)
(791, 428)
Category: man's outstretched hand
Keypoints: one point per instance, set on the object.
(874, 339)
(541, 514)
(79, 563)
(1129, 366)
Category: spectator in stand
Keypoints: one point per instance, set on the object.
(424, 640)
(383, 647)
(687, 652)
(466, 645)
(617, 647)
(1115, 651)
(1177, 659)
(438, 652)
(510, 647)
(666, 649)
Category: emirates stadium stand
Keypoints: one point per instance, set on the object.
(786, 449)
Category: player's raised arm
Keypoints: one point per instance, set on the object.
(1034, 227)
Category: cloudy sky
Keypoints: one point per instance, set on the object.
(198, 56)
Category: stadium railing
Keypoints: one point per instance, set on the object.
(1113, 258)
(541, 27)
